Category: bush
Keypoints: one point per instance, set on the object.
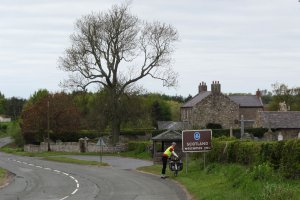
(15, 131)
(282, 155)
(3, 127)
(213, 126)
(262, 172)
(290, 160)
(278, 192)
(139, 147)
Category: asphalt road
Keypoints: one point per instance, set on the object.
(45, 180)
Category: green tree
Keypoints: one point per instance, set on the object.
(2, 104)
(160, 111)
(114, 50)
(14, 107)
(282, 93)
(56, 110)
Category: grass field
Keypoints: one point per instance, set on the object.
(229, 181)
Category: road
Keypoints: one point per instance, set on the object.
(38, 179)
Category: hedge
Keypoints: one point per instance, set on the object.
(283, 155)
(139, 147)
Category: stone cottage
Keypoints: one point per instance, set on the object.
(285, 123)
(217, 108)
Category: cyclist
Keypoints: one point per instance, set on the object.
(168, 152)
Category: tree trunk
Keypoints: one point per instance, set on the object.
(116, 123)
(115, 129)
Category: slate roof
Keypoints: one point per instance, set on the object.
(167, 125)
(279, 119)
(199, 97)
(169, 135)
(247, 100)
(241, 100)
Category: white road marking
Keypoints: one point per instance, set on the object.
(64, 198)
(46, 168)
(74, 191)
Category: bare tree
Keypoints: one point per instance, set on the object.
(115, 49)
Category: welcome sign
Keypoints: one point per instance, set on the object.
(196, 140)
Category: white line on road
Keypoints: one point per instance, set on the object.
(49, 169)
(74, 191)
(64, 198)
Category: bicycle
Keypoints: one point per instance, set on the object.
(175, 165)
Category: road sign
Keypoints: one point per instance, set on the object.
(196, 140)
(100, 142)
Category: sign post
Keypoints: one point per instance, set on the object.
(100, 143)
(196, 141)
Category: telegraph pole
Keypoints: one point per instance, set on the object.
(48, 124)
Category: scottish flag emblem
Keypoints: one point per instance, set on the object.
(197, 136)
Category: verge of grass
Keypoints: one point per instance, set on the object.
(51, 155)
(3, 173)
(231, 181)
(75, 161)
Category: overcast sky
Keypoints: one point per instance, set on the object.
(244, 44)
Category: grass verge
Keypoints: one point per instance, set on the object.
(51, 156)
(230, 181)
(75, 161)
(3, 173)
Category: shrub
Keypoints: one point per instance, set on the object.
(278, 192)
(3, 127)
(139, 147)
(213, 126)
(290, 161)
(15, 131)
(262, 172)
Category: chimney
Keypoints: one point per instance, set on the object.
(202, 87)
(258, 93)
(215, 87)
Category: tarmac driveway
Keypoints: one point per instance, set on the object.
(114, 161)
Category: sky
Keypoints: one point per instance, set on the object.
(244, 44)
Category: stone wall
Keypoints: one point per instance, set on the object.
(186, 114)
(73, 147)
(250, 113)
(218, 109)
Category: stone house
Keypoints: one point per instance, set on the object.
(285, 123)
(217, 108)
